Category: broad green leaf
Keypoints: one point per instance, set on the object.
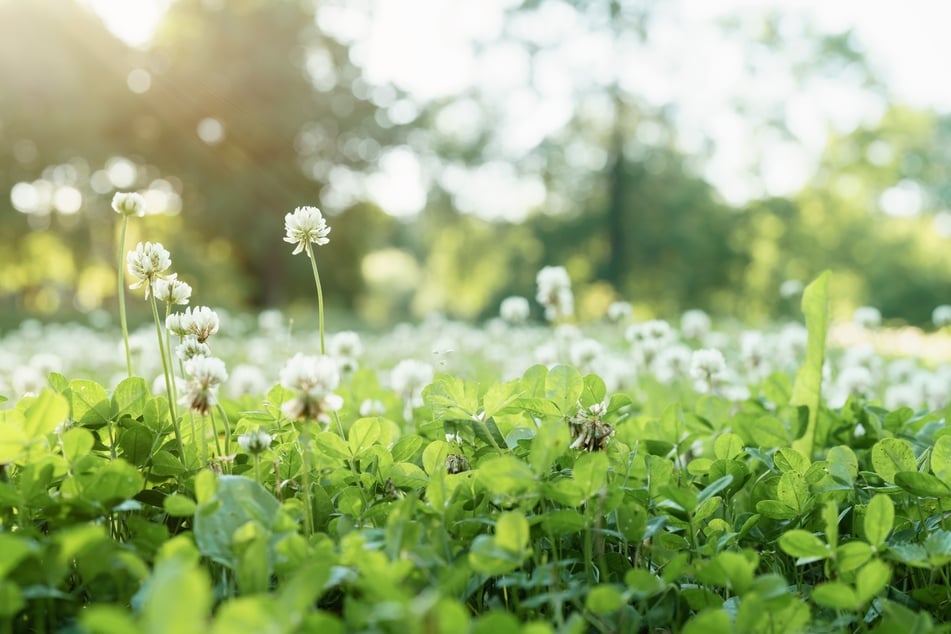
(768, 431)
(879, 519)
(13, 441)
(178, 505)
(42, 416)
(130, 397)
(807, 390)
(563, 386)
(938, 546)
(603, 599)
(852, 555)
(499, 396)
(922, 484)
(941, 459)
(591, 472)
(407, 476)
(727, 446)
(793, 491)
(551, 442)
(512, 532)
(714, 488)
(15, 548)
(177, 598)
(434, 456)
(709, 621)
(90, 404)
(488, 558)
(363, 434)
(871, 580)
(594, 390)
(562, 522)
(11, 599)
(788, 459)
(407, 448)
(506, 475)
(843, 465)
(450, 397)
(107, 619)
(631, 521)
(803, 545)
(891, 455)
(76, 443)
(643, 583)
(328, 444)
(836, 595)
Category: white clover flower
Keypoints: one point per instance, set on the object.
(190, 347)
(620, 311)
(205, 374)
(706, 367)
(514, 310)
(941, 315)
(695, 324)
(856, 380)
(867, 317)
(408, 379)
(247, 380)
(306, 225)
(372, 407)
(255, 442)
(671, 363)
(147, 263)
(584, 352)
(902, 395)
(790, 288)
(554, 292)
(178, 323)
(172, 290)
(313, 380)
(345, 344)
(754, 354)
(201, 321)
(128, 204)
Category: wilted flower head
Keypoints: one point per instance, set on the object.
(204, 374)
(554, 292)
(313, 379)
(514, 310)
(867, 317)
(941, 315)
(255, 442)
(306, 225)
(128, 204)
(172, 290)
(146, 263)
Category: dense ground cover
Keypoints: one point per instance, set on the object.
(618, 476)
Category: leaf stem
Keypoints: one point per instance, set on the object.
(320, 296)
(169, 379)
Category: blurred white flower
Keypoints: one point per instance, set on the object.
(671, 363)
(313, 380)
(941, 315)
(372, 407)
(128, 204)
(707, 366)
(902, 395)
(554, 292)
(855, 380)
(255, 442)
(172, 290)
(147, 263)
(247, 380)
(695, 324)
(408, 379)
(584, 352)
(514, 310)
(790, 288)
(306, 225)
(620, 311)
(345, 344)
(204, 374)
(867, 317)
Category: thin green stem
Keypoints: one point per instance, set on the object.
(227, 422)
(169, 385)
(214, 432)
(120, 291)
(320, 296)
(305, 479)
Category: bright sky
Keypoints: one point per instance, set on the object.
(426, 47)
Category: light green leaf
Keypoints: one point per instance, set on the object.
(563, 386)
(836, 595)
(891, 455)
(941, 459)
(42, 416)
(871, 580)
(879, 519)
(803, 545)
(512, 532)
(604, 599)
(807, 390)
(363, 434)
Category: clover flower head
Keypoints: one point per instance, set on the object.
(313, 380)
(128, 204)
(205, 374)
(695, 324)
(619, 311)
(255, 442)
(306, 225)
(867, 317)
(147, 263)
(190, 348)
(408, 379)
(707, 365)
(178, 323)
(172, 290)
(554, 292)
(247, 380)
(514, 310)
(200, 321)
(345, 344)
(941, 315)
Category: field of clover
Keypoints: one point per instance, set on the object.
(221, 473)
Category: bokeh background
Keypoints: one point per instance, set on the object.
(675, 154)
